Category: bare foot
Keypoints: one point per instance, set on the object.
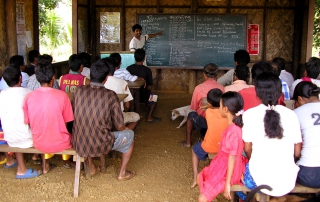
(183, 144)
(194, 184)
(128, 175)
(48, 168)
(95, 171)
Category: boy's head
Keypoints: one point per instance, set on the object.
(313, 67)
(242, 72)
(241, 57)
(117, 59)
(86, 57)
(45, 58)
(211, 70)
(17, 60)
(139, 55)
(259, 68)
(214, 96)
(278, 64)
(136, 29)
(44, 72)
(75, 63)
(12, 75)
(110, 63)
(99, 71)
(33, 56)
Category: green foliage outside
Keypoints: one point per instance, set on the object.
(55, 28)
(316, 29)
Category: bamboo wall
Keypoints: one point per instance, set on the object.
(3, 38)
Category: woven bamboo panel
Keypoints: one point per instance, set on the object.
(247, 3)
(106, 46)
(200, 78)
(170, 79)
(29, 21)
(108, 2)
(141, 2)
(83, 2)
(177, 10)
(280, 29)
(212, 10)
(254, 16)
(83, 28)
(3, 50)
(213, 3)
(281, 3)
(131, 14)
(175, 3)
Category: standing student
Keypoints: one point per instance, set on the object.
(227, 167)
(308, 112)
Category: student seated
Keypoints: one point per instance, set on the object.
(69, 82)
(197, 117)
(47, 111)
(146, 96)
(240, 79)
(272, 137)
(97, 109)
(86, 57)
(33, 56)
(216, 125)
(308, 112)
(120, 86)
(16, 132)
(122, 73)
(18, 61)
(310, 74)
(280, 63)
(285, 86)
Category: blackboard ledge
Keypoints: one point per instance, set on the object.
(187, 68)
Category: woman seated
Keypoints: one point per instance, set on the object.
(308, 111)
(272, 138)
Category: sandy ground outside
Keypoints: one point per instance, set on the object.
(163, 169)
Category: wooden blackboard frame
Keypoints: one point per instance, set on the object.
(197, 14)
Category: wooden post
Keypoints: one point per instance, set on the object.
(192, 80)
(36, 37)
(12, 46)
(310, 29)
(74, 26)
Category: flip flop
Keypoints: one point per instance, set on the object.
(182, 144)
(51, 166)
(31, 173)
(3, 161)
(15, 164)
(128, 177)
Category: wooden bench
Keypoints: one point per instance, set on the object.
(76, 157)
(263, 197)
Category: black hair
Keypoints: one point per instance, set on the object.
(242, 72)
(136, 26)
(139, 55)
(241, 57)
(45, 58)
(280, 63)
(211, 70)
(214, 96)
(234, 102)
(110, 63)
(44, 72)
(260, 67)
(98, 71)
(17, 60)
(75, 62)
(313, 67)
(32, 55)
(269, 90)
(86, 57)
(11, 74)
(117, 58)
(305, 89)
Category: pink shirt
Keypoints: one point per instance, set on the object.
(47, 110)
(200, 92)
(237, 86)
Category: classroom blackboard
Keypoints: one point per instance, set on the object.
(127, 58)
(192, 41)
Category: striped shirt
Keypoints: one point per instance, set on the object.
(125, 75)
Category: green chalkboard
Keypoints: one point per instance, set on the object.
(127, 58)
(192, 41)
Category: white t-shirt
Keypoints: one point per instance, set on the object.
(119, 86)
(295, 83)
(16, 133)
(25, 78)
(86, 72)
(272, 160)
(287, 77)
(136, 43)
(309, 118)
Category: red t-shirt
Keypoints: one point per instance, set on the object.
(47, 110)
(69, 82)
(251, 100)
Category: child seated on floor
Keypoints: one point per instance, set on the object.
(216, 125)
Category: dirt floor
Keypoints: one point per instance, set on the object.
(163, 169)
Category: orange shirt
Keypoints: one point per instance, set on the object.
(216, 125)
